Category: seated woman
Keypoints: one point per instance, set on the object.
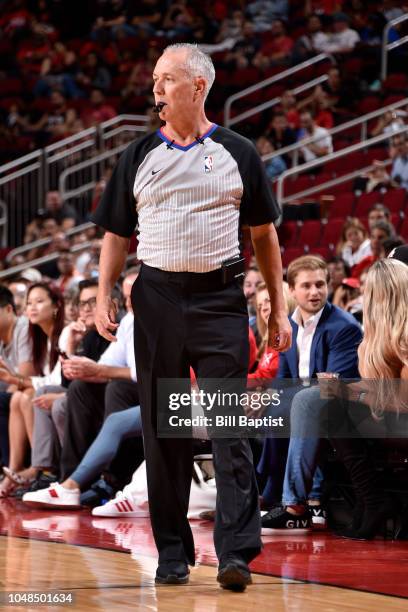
(45, 311)
(268, 358)
(116, 428)
(376, 406)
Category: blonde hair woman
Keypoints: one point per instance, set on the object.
(383, 361)
(268, 359)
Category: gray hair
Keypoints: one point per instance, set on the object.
(197, 63)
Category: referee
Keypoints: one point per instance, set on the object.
(190, 186)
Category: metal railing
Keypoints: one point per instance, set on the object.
(229, 121)
(77, 248)
(25, 180)
(386, 46)
(321, 161)
(46, 241)
(363, 121)
(81, 195)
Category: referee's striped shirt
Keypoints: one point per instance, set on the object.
(188, 201)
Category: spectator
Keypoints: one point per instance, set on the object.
(389, 123)
(378, 212)
(45, 311)
(18, 288)
(89, 390)
(69, 278)
(268, 359)
(15, 353)
(326, 340)
(354, 245)
(252, 279)
(349, 297)
(71, 305)
(338, 269)
(289, 109)
(144, 17)
(98, 110)
(263, 12)
(399, 172)
(322, 142)
(322, 7)
(280, 134)
(375, 179)
(245, 49)
(94, 75)
(343, 39)
(308, 44)
(338, 91)
(63, 213)
(379, 231)
(275, 166)
(277, 49)
(110, 19)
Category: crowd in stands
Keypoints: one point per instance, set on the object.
(61, 75)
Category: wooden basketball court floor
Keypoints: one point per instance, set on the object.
(109, 564)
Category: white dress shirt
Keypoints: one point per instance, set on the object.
(363, 251)
(121, 353)
(304, 340)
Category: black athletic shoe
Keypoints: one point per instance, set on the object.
(43, 481)
(98, 494)
(319, 517)
(233, 573)
(280, 521)
(172, 572)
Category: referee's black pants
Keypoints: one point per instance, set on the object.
(182, 321)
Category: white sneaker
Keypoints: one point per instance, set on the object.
(122, 505)
(56, 496)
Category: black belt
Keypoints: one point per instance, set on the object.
(199, 281)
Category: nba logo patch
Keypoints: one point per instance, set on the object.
(208, 163)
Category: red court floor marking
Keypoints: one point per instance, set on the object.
(377, 567)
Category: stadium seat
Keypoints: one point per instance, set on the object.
(395, 199)
(331, 232)
(290, 254)
(342, 206)
(288, 233)
(310, 233)
(324, 251)
(366, 201)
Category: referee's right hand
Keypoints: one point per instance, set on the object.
(105, 318)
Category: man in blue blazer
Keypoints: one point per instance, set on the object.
(325, 339)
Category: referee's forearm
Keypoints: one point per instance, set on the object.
(267, 253)
(112, 261)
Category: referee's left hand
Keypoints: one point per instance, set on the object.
(279, 332)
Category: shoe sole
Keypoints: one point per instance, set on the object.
(172, 579)
(285, 531)
(319, 524)
(233, 579)
(37, 504)
(123, 514)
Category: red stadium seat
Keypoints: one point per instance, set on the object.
(290, 254)
(288, 233)
(331, 232)
(310, 233)
(342, 206)
(366, 201)
(297, 185)
(395, 82)
(324, 251)
(395, 199)
(403, 230)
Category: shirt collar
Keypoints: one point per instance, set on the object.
(312, 322)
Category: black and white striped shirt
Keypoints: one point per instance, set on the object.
(188, 201)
